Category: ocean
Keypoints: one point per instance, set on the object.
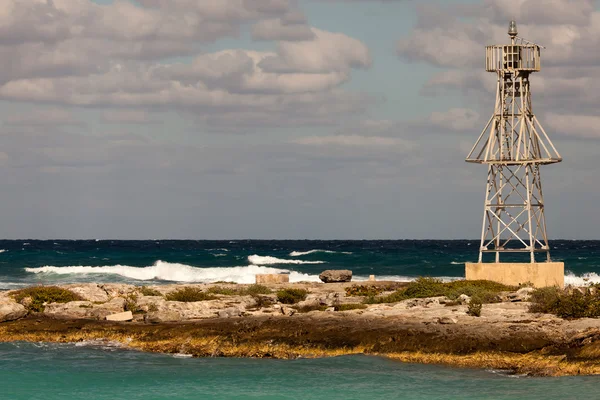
(31, 371)
(29, 262)
(100, 371)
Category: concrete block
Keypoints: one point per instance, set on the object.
(272, 278)
(539, 274)
(124, 316)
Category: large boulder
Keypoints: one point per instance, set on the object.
(10, 310)
(89, 291)
(336, 275)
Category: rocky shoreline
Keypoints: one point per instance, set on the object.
(328, 322)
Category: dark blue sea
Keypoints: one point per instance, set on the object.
(27, 262)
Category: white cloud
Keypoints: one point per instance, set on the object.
(78, 53)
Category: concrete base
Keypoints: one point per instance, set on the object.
(540, 274)
(272, 278)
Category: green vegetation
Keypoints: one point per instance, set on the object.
(311, 307)
(256, 289)
(351, 306)
(146, 291)
(35, 298)
(372, 289)
(222, 290)
(131, 303)
(188, 295)
(364, 290)
(291, 296)
(251, 290)
(568, 303)
(486, 291)
(474, 307)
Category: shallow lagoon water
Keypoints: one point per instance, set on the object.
(67, 371)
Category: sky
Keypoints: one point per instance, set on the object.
(280, 119)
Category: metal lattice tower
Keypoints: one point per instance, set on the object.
(514, 146)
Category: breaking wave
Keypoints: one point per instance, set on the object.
(268, 260)
(581, 280)
(164, 271)
(303, 253)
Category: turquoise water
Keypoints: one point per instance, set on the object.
(65, 372)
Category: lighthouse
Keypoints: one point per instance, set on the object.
(514, 245)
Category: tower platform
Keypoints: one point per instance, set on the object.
(540, 274)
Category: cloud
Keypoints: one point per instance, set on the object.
(453, 40)
(128, 117)
(78, 53)
(49, 117)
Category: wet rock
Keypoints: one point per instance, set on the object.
(336, 275)
(11, 310)
(124, 316)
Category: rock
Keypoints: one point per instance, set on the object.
(447, 320)
(425, 302)
(11, 310)
(464, 299)
(287, 311)
(230, 312)
(124, 316)
(522, 294)
(156, 317)
(89, 291)
(70, 310)
(114, 306)
(330, 309)
(336, 275)
(272, 278)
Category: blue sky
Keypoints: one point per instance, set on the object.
(345, 119)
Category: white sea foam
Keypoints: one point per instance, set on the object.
(2, 250)
(457, 263)
(176, 272)
(268, 260)
(581, 280)
(303, 253)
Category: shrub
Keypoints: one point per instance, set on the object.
(262, 301)
(544, 300)
(152, 307)
(40, 295)
(566, 303)
(474, 307)
(131, 302)
(251, 290)
(146, 291)
(487, 291)
(222, 290)
(311, 307)
(291, 296)
(351, 306)
(256, 289)
(364, 290)
(189, 295)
